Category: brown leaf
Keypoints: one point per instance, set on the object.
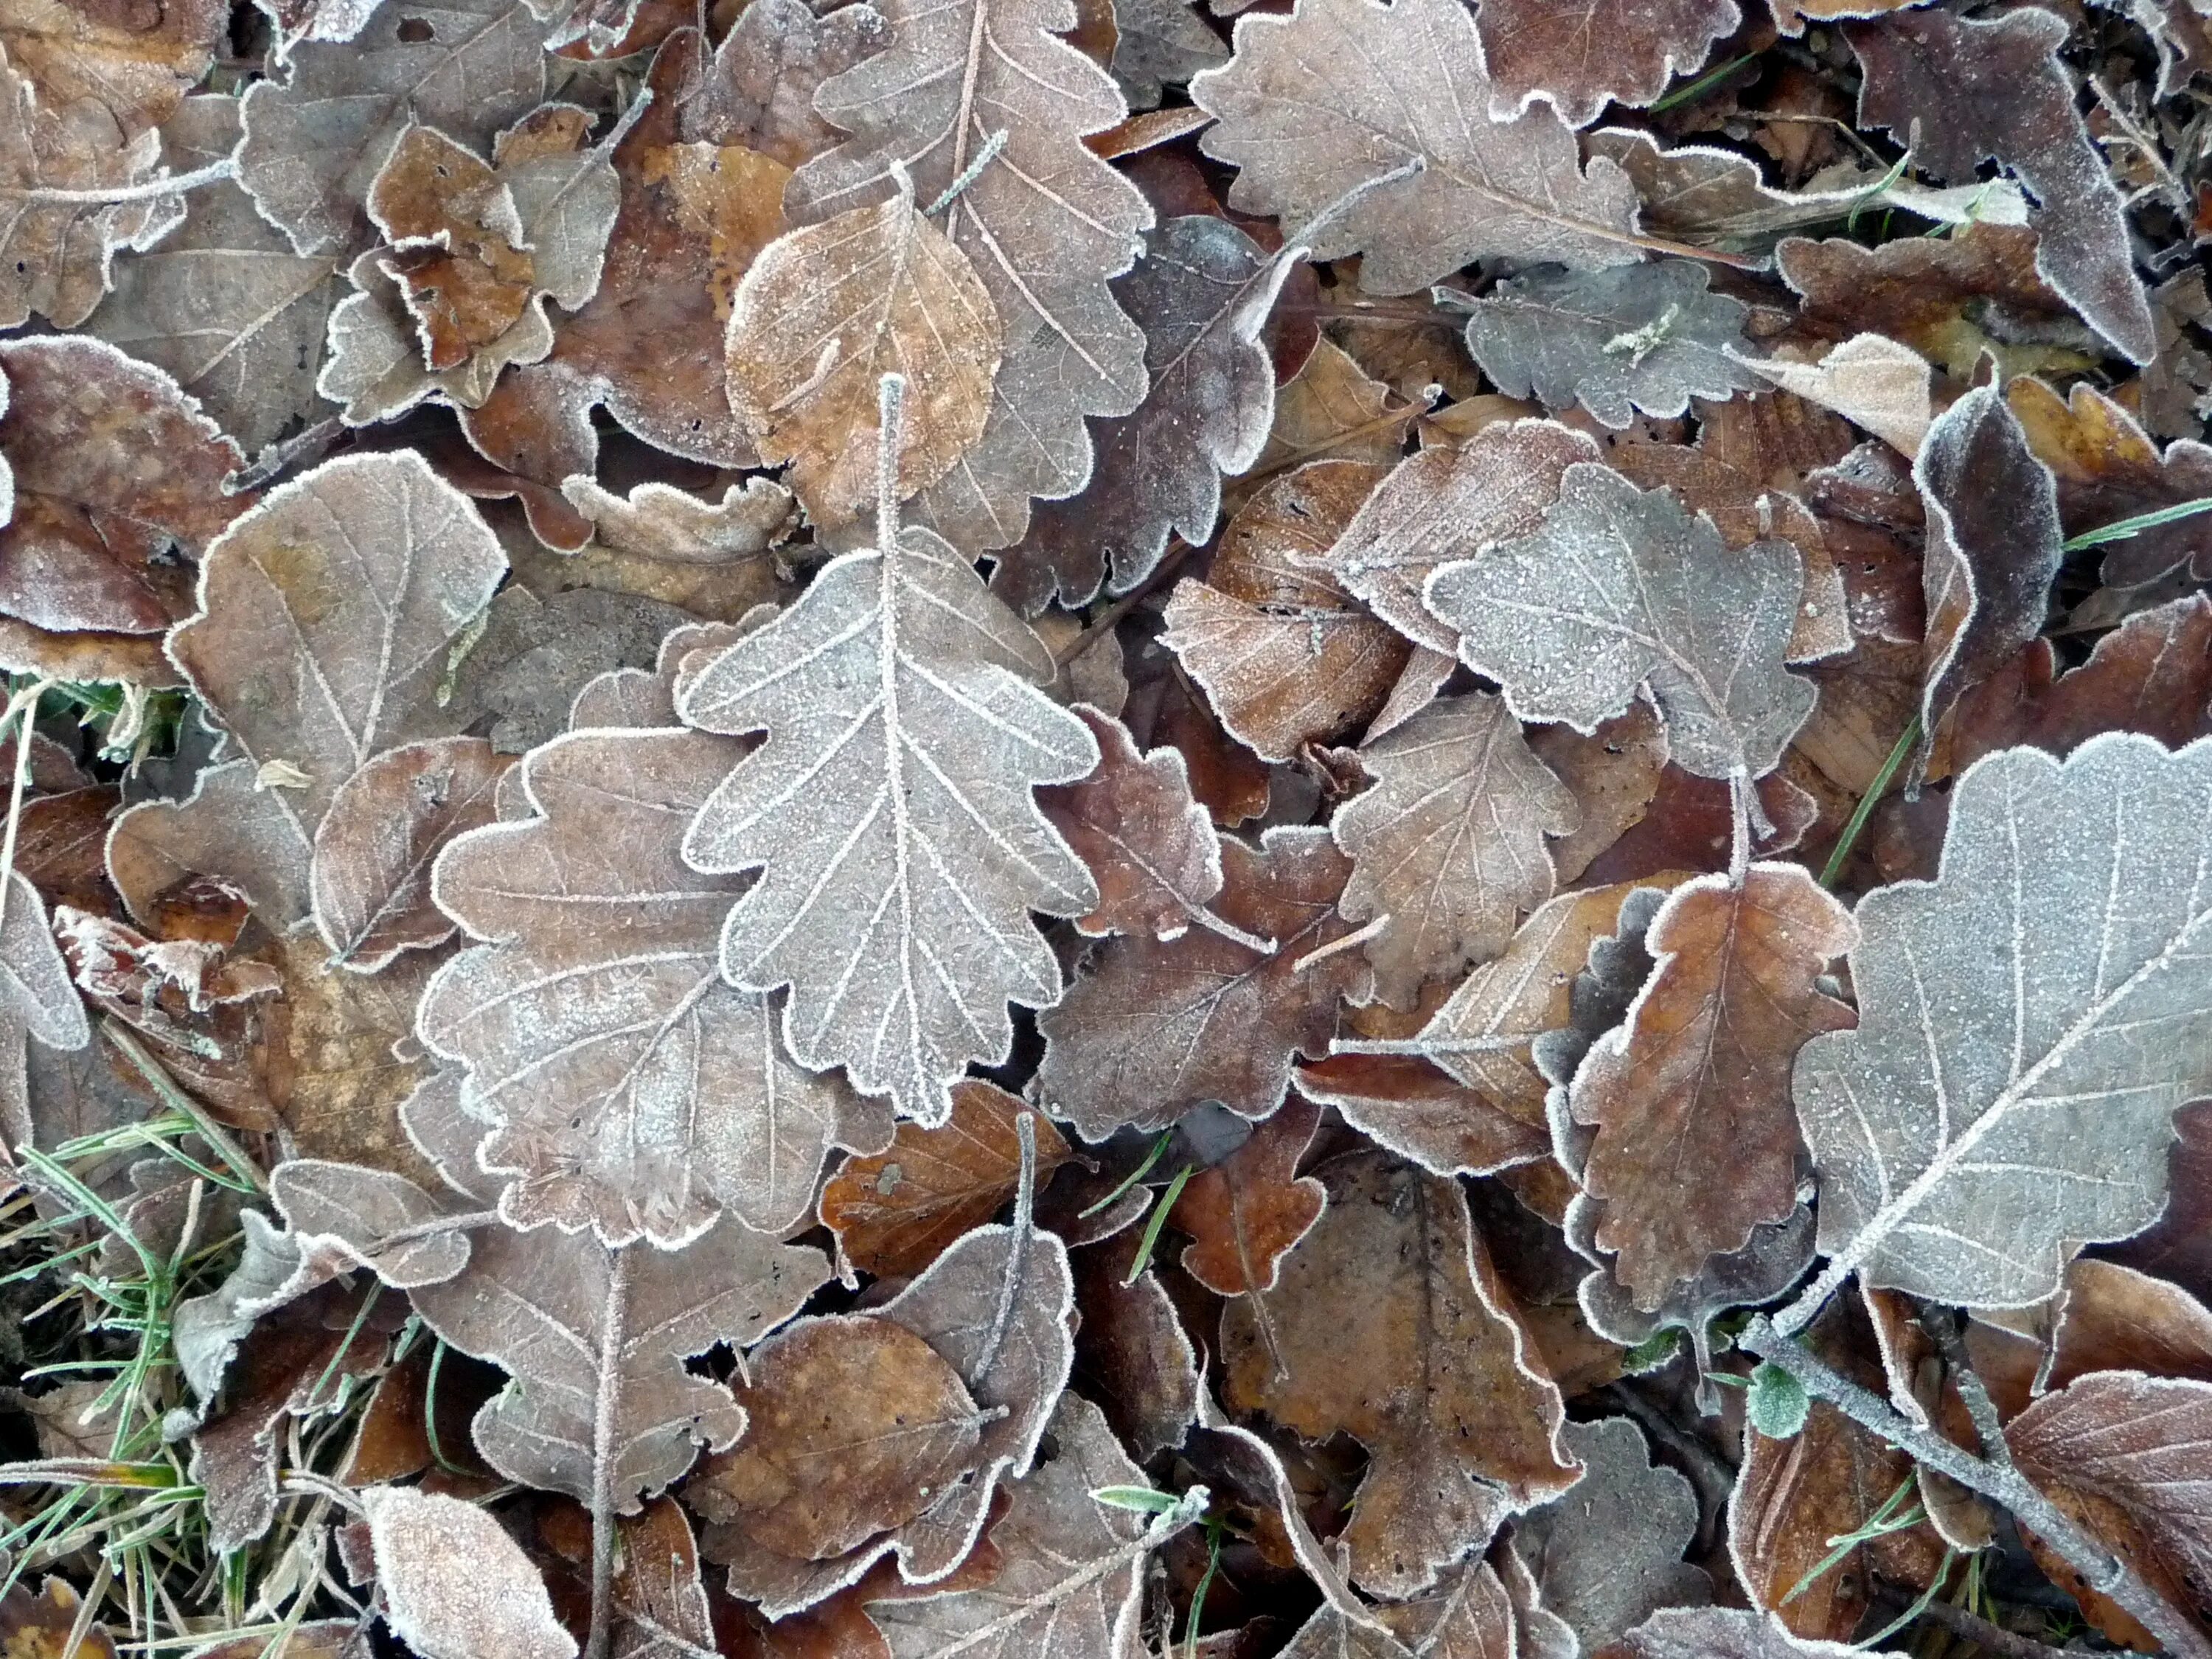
(1245, 1213)
(1995, 90)
(1448, 847)
(40, 1627)
(1443, 504)
(1132, 1353)
(712, 558)
(1286, 655)
(1699, 1077)
(855, 1424)
(759, 91)
(2178, 1246)
(454, 1583)
(1150, 1029)
(226, 829)
(1333, 410)
(1230, 781)
(1463, 1430)
(826, 312)
(1621, 51)
(2106, 1317)
(1465, 1616)
(1871, 381)
(374, 847)
(1307, 112)
(116, 472)
(896, 1212)
(2107, 469)
(1614, 773)
(1422, 1113)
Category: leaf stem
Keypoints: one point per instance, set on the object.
(1018, 1255)
(146, 190)
(605, 1408)
(2104, 1572)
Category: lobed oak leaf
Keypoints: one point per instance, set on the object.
(1158, 41)
(1285, 655)
(1964, 1154)
(1631, 338)
(946, 81)
(854, 1424)
(1151, 1030)
(314, 142)
(1448, 848)
(2106, 468)
(825, 312)
(454, 1582)
(117, 486)
(1995, 90)
(1622, 590)
(227, 828)
(374, 847)
(1307, 112)
(1699, 1075)
(1202, 293)
(1467, 1615)
(342, 1215)
(897, 1210)
(660, 523)
(630, 1089)
(1615, 50)
(899, 921)
(1247, 1211)
(1461, 1423)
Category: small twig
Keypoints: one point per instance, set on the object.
(1993, 1638)
(1743, 805)
(2104, 1572)
(605, 1408)
(1942, 1328)
(1018, 1256)
(1424, 1048)
(278, 459)
(969, 174)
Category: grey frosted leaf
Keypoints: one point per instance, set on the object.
(1047, 225)
(1607, 1553)
(630, 1088)
(595, 1342)
(314, 141)
(1723, 1633)
(454, 1583)
(1202, 293)
(37, 1002)
(1331, 1633)
(1622, 590)
(668, 526)
(534, 657)
(1342, 92)
(373, 368)
(1072, 1581)
(1647, 337)
(371, 877)
(227, 827)
(206, 1330)
(1161, 41)
(222, 302)
(2028, 1022)
(382, 1221)
(892, 813)
(324, 617)
(1449, 844)
(759, 93)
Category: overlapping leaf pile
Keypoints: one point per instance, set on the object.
(816, 851)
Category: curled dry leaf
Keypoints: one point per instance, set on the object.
(1150, 1029)
(1245, 1213)
(1622, 590)
(1646, 338)
(2106, 468)
(1699, 1076)
(1202, 293)
(1421, 1112)
(374, 850)
(1871, 381)
(631, 1089)
(1335, 410)
(897, 1211)
(1614, 51)
(1995, 90)
(946, 82)
(825, 313)
(711, 557)
(1448, 847)
(1132, 1352)
(1285, 654)
(892, 813)
(1316, 104)
(454, 1583)
(854, 1424)
(1446, 504)
(1963, 1156)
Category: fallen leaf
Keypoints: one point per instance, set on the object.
(1150, 1029)
(712, 557)
(1621, 52)
(1463, 1430)
(2107, 469)
(1995, 90)
(1132, 1352)
(823, 314)
(758, 92)
(1247, 1211)
(1161, 41)
(1620, 590)
(1448, 848)
(1718, 1633)
(1962, 1160)
(1699, 1077)
(454, 1582)
(1307, 113)
(1333, 410)
(1871, 381)
(37, 1002)
(2178, 1246)
(1417, 1110)
(1616, 341)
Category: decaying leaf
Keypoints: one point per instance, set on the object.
(1870, 380)
(1246, 1213)
(890, 812)
(1448, 847)
(454, 1583)
(37, 1001)
(825, 313)
(1721, 1633)
(1699, 1076)
(632, 1089)
(1419, 1111)
(1152, 1029)
(1647, 337)
(1462, 1425)
(1621, 589)
(1963, 1152)
(1338, 94)
(1608, 50)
